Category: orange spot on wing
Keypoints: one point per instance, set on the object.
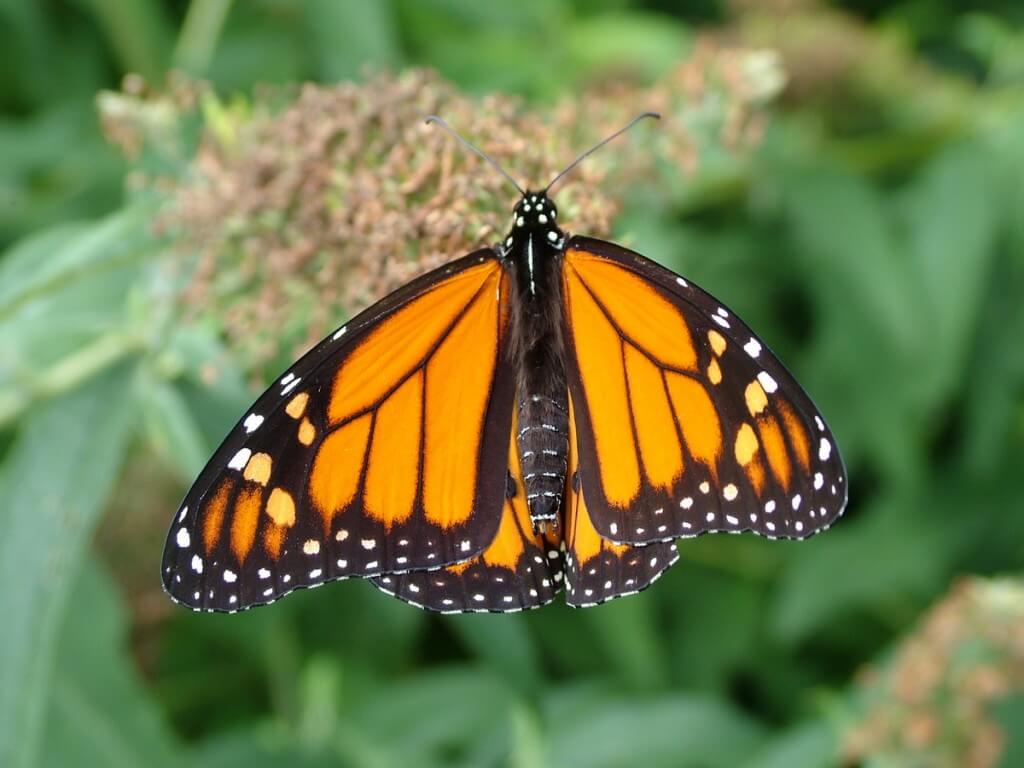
(258, 468)
(746, 444)
(797, 434)
(717, 342)
(336, 469)
(392, 475)
(714, 372)
(458, 383)
(638, 309)
(297, 405)
(213, 514)
(655, 426)
(245, 520)
(307, 432)
(775, 449)
(755, 397)
(746, 450)
(697, 417)
(402, 341)
(281, 508)
(598, 350)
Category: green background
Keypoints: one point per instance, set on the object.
(875, 239)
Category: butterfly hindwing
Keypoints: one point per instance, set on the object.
(687, 422)
(518, 570)
(381, 450)
(598, 570)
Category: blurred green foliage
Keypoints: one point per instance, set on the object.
(875, 239)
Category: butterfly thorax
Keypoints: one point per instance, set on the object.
(533, 252)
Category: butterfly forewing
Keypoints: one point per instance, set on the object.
(381, 450)
(519, 570)
(687, 422)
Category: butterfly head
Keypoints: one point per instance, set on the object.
(535, 218)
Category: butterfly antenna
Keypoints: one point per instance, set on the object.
(494, 164)
(600, 144)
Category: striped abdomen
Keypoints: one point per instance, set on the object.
(543, 443)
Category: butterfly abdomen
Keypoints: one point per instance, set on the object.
(534, 251)
(543, 442)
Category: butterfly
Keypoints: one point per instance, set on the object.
(553, 412)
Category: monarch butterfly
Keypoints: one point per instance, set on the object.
(553, 411)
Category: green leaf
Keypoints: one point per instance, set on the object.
(44, 263)
(628, 633)
(54, 482)
(138, 31)
(676, 731)
(99, 712)
(438, 711)
(63, 307)
(952, 214)
(812, 745)
(894, 553)
(348, 37)
(503, 642)
(171, 426)
(646, 43)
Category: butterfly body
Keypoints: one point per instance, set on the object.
(553, 412)
(532, 252)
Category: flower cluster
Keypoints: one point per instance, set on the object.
(930, 704)
(302, 207)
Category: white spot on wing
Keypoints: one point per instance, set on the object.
(252, 422)
(240, 459)
(290, 386)
(752, 347)
(183, 538)
(263, 573)
(230, 576)
(311, 547)
(682, 282)
(824, 449)
(197, 563)
(730, 492)
(339, 333)
(181, 515)
(767, 382)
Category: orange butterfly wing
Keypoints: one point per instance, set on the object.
(687, 423)
(381, 450)
(597, 569)
(518, 570)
